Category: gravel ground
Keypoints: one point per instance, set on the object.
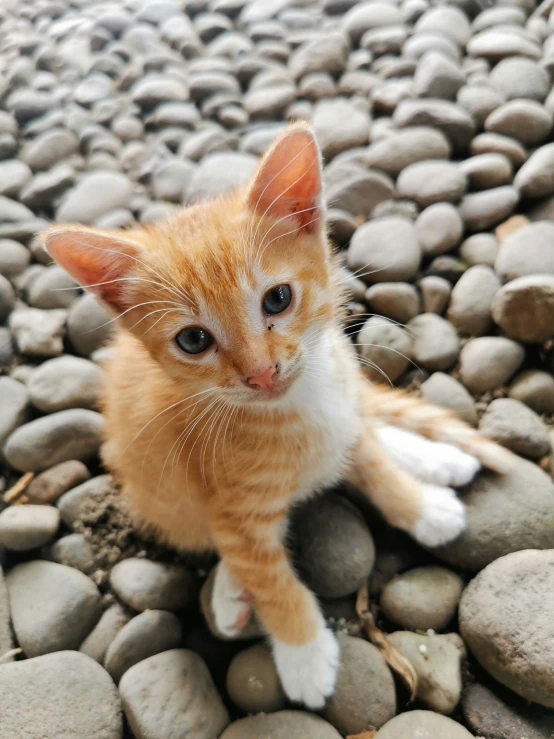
(436, 122)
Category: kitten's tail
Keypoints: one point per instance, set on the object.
(411, 413)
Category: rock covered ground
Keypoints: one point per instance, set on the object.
(436, 123)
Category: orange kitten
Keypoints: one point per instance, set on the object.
(234, 394)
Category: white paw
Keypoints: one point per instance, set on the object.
(309, 673)
(229, 603)
(443, 517)
(430, 461)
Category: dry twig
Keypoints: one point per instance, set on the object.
(18, 489)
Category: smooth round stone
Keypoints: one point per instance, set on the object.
(535, 389)
(481, 210)
(512, 424)
(525, 120)
(13, 176)
(479, 101)
(317, 85)
(450, 118)
(429, 182)
(50, 148)
(386, 349)
(423, 725)
(422, 598)
(488, 362)
(437, 76)
(281, 725)
(172, 694)
(94, 195)
(524, 308)
(38, 332)
(519, 77)
(503, 613)
(437, 660)
(269, 102)
(356, 190)
(341, 227)
(253, 683)
(71, 434)
(14, 400)
(65, 382)
(394, 153)
(28, 527)
(496, 44)
(487, 170)
(385, 40)
(496, 143)
(500, 519)
(420, 43)
(501, 15)
(527, 252)
(436, 344)
(385, 99)
(435, 293)
(447, 266)
(88, 325)
(14, 258)
(171, 180)
(220, 172)
(334, 551)
(443, 390)
(535, 179)
(338, 126)
(385, 250)
(439, 229)
(143, 584)
(53, 607)
(481, 248)
(149, 633)
(111, 622)
(447, 20)
(326, 53)
(471, 301)
(154, 89)
(65, 694)
(398, 301)
(73, 504)
(47, 487)
(368, 15)
(364, 694)
(53, 288)
(73, 550)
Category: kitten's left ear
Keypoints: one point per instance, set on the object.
(288, 181)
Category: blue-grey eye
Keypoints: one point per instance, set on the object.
(194, 340)
(277, 300)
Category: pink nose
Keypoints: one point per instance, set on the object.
(264, 379)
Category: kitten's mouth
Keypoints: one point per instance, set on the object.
(276, 392)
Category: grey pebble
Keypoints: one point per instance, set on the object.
(525, 120)
(253, 683)
(281, 725)
(426, 724)
(439, 229)
(429, 182)
(517, 427)
(404, 147)
(65, 382)
(72, 550)
(524, 308)
(49, 148)
(220, 172)
(94, 195)
(38, 332)
(437, 76)
(536, 389)
(398, 301)
(14, 258)
(535, 179)
(481, 248)
(47, 487)
(443, 390)
(28, 527)
(471, 301)
(14, 400)
(143, 584)
(487, 170)
(479, 101)
(339, 126)
(385, 250)
(88, 325)
(386, 349)
(53, 288)
(520, 77)
(435, 293)
(111, 622)
(455, 122)
(13, 176)
(436, 344)
(481, 210)
(496, 143)
(74, 503)
(528, 251)
(486, 363)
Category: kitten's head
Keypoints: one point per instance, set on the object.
(233, 293)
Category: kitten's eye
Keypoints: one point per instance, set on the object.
(277, 300)
(194, 340)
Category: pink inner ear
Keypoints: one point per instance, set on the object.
(288, 182)
(95, 260)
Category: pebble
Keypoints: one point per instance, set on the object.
(398, 301)
(529, 251)
(436, 344)
(520, 77)
(149, 633)
(38, 332)
(496, 44)
(326, 53)
(72, 550)
(281, 725)
(358, 191)
(13, 176)
(517, 427)
(269, 102)
(386, 349)
(424, 724)
(44, 442)
(14, 258)
(524, 308)
(94, 195)
(429, 182)
(481, 210)
(65, 382)
(504, 613)
(65, 694)
(49, 485)
(501, 520)
(220, 172)
(479, 100)
(535, 179)
(385, 250)
(447, 20)
(437, 661)
(339, 126)
(170, 694)
(253, 683)
(14, 400)
(50, 148)
(335, 551)
(143, 584)
(53, 607)
(525, 120)
(488, 362)
(394, 153)
(437, 76)
(481, 248)
(450, 118)
(487, 170)
(88, 325)
(443, 390)
(471, 300)
(422, 598)
(536, 389)
(435, 293)
(368, 15)
(28, 527)
(53, 288)
(439, 229)
(111, 622)
(496, 143)
(365, 693)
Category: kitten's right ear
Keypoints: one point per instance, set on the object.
(98, 260)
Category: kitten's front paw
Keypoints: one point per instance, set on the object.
(442, 519)
(230, 603)
(452, 467)
(309, 673)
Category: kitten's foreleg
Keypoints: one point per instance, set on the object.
(305, 651)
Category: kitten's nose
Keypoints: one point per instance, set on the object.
(264, 379)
